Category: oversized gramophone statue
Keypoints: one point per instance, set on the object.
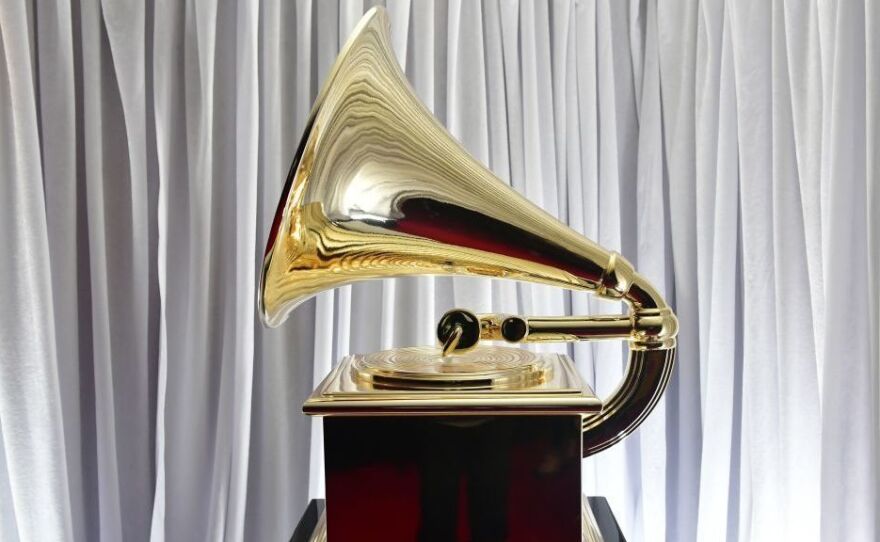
(461, 441)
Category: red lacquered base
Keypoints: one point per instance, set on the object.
(453, 478)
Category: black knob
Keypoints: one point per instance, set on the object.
(514, 329)
(459, 319)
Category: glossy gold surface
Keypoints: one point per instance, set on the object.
(416, 367)
(560, 389)
(379, 189)
(643, 328)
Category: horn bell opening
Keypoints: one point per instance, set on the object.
(373, 28)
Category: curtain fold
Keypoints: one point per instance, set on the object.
(728, 149)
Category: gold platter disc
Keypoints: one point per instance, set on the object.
(426, 368)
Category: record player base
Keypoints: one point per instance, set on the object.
(599, 524)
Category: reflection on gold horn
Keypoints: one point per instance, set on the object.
(379, 189)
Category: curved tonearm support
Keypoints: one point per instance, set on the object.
(650, 328)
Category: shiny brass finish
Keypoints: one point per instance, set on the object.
(451, 343)
(417, 367)
(379, 189)
(499, 380)
(643, 328)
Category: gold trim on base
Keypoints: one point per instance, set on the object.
(560, 390)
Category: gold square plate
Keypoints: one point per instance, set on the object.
(419, 381)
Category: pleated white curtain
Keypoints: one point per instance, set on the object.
(728, 149)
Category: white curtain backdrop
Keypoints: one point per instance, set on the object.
(728, 149)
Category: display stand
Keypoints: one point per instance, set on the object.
(599, 522)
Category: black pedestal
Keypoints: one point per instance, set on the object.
(308, 521)
(605, 521)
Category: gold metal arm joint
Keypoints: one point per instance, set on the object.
(654, 329)
(617, 277)
(646, 329)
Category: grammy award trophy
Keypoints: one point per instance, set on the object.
(462, 441)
